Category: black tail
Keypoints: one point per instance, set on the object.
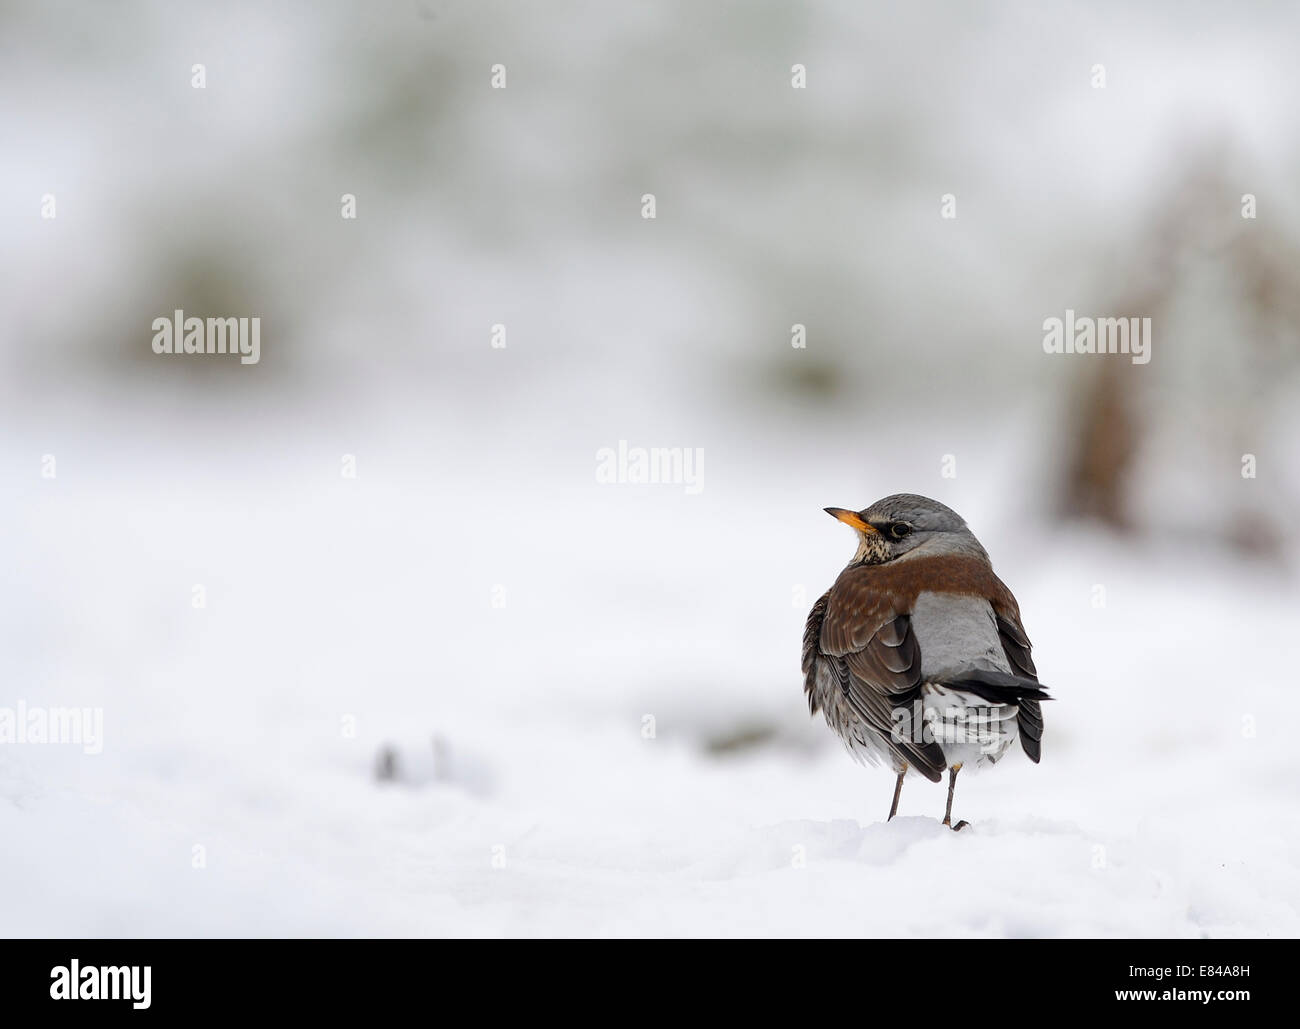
(998, 687)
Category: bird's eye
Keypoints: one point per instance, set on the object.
(898, 531)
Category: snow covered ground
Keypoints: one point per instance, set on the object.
(507, 627)
(473, 690)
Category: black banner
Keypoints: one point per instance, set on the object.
(161, 979)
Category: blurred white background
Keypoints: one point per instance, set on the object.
(414, 701)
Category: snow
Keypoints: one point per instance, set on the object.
(473, 691)
(1164, 804)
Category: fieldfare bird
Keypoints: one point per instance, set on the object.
(916, 655)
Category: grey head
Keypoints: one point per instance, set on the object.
(906, 523)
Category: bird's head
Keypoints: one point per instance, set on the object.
(905, 522)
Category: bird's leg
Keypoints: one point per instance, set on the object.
(947, 815)
(898, 789)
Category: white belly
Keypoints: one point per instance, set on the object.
(969, 729)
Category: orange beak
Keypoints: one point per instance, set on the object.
(850, 518)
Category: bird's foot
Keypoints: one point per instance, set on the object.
(958, 827)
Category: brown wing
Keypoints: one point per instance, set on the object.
(814, 662)
(1016, 645)
(877, 662)
(820, 668)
